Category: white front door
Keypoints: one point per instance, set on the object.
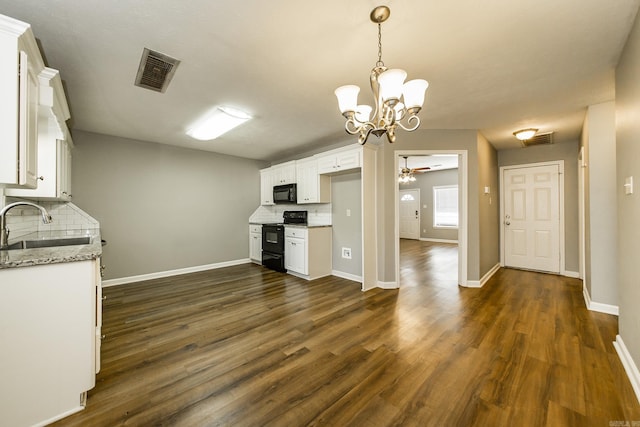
(532, 218)
(409, 214)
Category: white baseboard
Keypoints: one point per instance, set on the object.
(596, 306)
(169, 273)
(388, 285)
(573, 274)
(427, 239)
(629, 365)
(480, 283)
(347, 276)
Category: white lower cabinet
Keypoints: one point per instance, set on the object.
(255, 243)
(295, 255)
(49, 324)
(307, 251)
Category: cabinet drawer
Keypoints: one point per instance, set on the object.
(253, 228)
(300, 233)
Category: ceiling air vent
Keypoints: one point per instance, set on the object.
(155, 70)
(539, 139)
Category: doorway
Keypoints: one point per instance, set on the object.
(532, 232)
(462, 235)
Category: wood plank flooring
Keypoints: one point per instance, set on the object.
(246, 346)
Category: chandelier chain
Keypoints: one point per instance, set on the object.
(379, 63)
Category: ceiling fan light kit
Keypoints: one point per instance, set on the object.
(394, 100)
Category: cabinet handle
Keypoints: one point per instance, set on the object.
(41, 178)
(104, 297)
(102, 337)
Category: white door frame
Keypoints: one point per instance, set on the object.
(419, 209)
(582, 164)
(463, 228)
(560, 164)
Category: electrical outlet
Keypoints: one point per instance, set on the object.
(346, 253)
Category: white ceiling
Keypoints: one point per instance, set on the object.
(492, 65)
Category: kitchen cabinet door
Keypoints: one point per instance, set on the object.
(312, 187)
(48, 332)
(339, 161)
(295, 255)
(255, 243)
(266, 187)
(20, 65)
(284, 173)
(54, 168)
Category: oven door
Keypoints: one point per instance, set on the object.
(273, 261)
(273, 239)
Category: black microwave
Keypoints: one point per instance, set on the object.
(285, 194)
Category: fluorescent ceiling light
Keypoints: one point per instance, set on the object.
(220, 121)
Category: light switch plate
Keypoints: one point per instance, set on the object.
(628, 185)
(346, 253)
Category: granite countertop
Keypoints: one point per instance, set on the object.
(292, 225)
(55, 254)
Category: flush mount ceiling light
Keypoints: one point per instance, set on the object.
(394, 99)
(221, 120)
(525, 134)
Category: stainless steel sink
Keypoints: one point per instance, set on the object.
(48, 243)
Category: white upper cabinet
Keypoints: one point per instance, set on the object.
(54, 143)
(20, 65)
(281, 174)
(340, 161)
(312, 188)
(284, 173)
(266, 187)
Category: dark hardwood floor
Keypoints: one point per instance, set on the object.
(246, 346)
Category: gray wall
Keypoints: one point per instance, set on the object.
(627, 156)
(425, 182)
(162, 207)
(347, 230)
(488, 206)
(433, 139)
(599, 142)
(567, 151)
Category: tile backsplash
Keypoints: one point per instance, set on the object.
(317, 214)
(65, 217)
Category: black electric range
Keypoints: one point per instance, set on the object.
(273, 239)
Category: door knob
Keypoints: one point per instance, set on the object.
(507, 223)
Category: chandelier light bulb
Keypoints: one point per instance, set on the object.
(413, 93)
(347, 98)
(391, 82)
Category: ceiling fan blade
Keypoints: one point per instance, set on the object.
(421, 169)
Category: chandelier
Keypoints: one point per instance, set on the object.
(395, 101)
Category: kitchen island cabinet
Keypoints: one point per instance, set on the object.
(50, 319)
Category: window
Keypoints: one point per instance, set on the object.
(445, 206)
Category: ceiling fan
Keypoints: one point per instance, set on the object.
(407, 175)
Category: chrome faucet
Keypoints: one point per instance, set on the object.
(4, 231)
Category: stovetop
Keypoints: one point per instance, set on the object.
(292, 217)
